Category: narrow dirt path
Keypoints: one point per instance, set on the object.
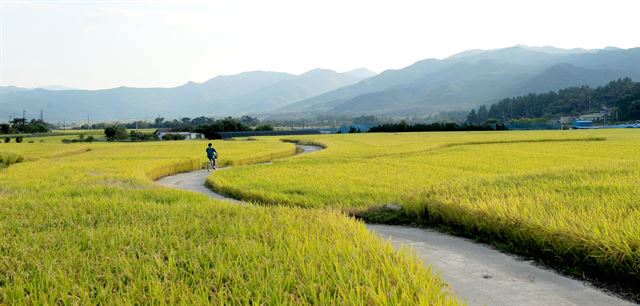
(478, 273)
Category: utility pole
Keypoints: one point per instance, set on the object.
(24, 120)
(64, 124)
(88, 123)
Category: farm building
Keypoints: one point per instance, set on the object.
(582, 124)
(355, 127)
(601, 116)
(161, 133)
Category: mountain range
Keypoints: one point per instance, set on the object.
(471, 78)
(458, 82)
(248, 92)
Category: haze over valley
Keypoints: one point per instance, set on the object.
(458, 82)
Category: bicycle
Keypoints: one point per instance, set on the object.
(212, 164)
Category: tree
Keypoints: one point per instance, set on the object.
(110, 132)
(116, 132)
(139, 136)
(472, 118)
(264, 127)
(365, 120)
(202, 120)
(248, 120)
(159, 121)
(230, 124)
(482, 116)
(5, 128)
(620, 94)
(173, 137)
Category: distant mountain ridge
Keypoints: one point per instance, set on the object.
(471, 78)
(248, 92)
(457, 83)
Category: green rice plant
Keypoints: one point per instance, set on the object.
(8, 158)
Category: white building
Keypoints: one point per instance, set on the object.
(160, 133)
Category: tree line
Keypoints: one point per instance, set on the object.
(206, 126)
(185, 124)
(24, 126)
(403, 126)
(620, 97)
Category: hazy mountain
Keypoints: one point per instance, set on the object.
(608, 59)
(471, 78)
(287, 91)
(56, 87)
(8, 89)
(450, 88)
(382, 81)
(248, 92)
(131, 103)
(566, 75)
(461, 81)
(554, 50)
(361, 73)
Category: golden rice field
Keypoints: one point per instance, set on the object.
(570, 197)
(85, 224)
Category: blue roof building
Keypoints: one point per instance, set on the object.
(358, 127)
(582, 124)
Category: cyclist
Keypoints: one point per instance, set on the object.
(212, 154)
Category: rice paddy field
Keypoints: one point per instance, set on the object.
(85, 224)
(569, 198)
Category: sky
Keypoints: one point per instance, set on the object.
(104, 44)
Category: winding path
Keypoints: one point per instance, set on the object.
(478, 273)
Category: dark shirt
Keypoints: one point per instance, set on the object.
(210, 152)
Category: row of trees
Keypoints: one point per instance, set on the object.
(119, 132)
(436, 127)
(207, 127)
(229, 124)
(185, 124)
(24, 126)
(621, 97)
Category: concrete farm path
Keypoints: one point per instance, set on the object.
(478, 273)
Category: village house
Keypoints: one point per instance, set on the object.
(161, 133)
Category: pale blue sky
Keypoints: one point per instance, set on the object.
(103, 44)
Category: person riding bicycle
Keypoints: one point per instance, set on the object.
(212, 154)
